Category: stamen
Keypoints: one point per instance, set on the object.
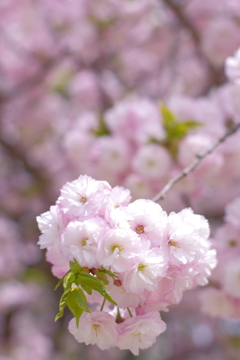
(173, 243)
(141, 267)
(139, 229)
(83, 241)
(119, 247)
(96, 328)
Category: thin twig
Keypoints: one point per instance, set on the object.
(161, 195)
(129, 311)
(103, 303)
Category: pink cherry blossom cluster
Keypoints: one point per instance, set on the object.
(155, 257)
(223, 300)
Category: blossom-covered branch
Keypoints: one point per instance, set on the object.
(161, 195)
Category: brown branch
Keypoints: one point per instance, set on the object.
(217, 75)
(161, 195)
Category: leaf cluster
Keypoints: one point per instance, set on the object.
(76, 282)
(175, 131)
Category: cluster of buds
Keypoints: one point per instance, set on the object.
(127, 261)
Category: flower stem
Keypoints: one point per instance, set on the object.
(103, 303)
(129, 312)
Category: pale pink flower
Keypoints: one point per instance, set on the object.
(220, 39)
(83, 197)
(227, 240)
(96, 328)
(140, 332)
(148, 220)
(54, 256)
(170, 288)
(216, 303)
(109, 157)
(81, 240)
(117, 217)
(147, 270)
(120, 196)
(138, 119)
(123, 298)
(51, 225)
(187, 237)
(139, 186)
(118, 249)
(152, 161)
(84, 86)
(202, 269)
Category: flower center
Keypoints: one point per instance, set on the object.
(83, 241)
(173, 243)
(232, 243)
(151, 163)
(138, 335)
(139, 229)
(141, 267)
(115, 155)
(97, 328)
(82, 198)
(119, 247)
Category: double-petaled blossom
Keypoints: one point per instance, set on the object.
(140, 332)
(97, 328)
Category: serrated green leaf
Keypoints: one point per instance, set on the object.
(58, 316)
(58, 284)
(95, 284)
(74, 306)
(68, 279)
(102, 277)
(87, 289)
(75, 267)
(62, 303)
(169, 120)
(81, 300)
(89, 280)
(105, 294)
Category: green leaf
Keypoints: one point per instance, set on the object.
(86, 288)
(105, 294)
(169, 120)
(175, 130)
(58, 316)
(75, 267)
(95, 284)
(102, 277)
(82, 300)
(59, 283)
(89, 280)
(62, 304)
(74, 306)
(68, 279)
